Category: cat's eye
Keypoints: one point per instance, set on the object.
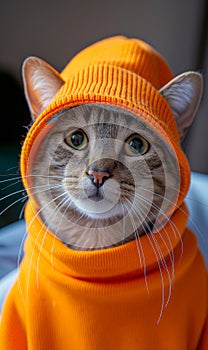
(76, 139)
(136, 145)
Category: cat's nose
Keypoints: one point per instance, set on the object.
(98, 177)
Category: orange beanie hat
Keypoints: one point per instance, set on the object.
(125, 73)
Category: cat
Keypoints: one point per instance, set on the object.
(108, 258)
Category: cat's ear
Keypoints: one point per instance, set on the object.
(41, 82)
(183, 95)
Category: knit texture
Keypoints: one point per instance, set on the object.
(66, 299)
(121, 72)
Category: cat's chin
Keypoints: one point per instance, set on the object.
(102, 209)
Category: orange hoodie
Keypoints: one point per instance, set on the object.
(136, 296)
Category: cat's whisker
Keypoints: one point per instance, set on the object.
(38, 234)
(158, 177)
(170, 249)
(44, 176)
(17, 177)
(10, 185)
(54, 213)
(176, 230)
(139, 247)
(79, 218)
(159, 209)
(25, 197)
(22, 211)
(14, 167)
(12, 204)
(35, 244)
(158, 194)
(162, 258)
(21, 191)
(159, 267)
(57, 229)
(40, 175)
(124, 224)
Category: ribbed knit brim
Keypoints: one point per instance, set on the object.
(121, 72)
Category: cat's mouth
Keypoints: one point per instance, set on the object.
(97, 208)
(101, 202)
(97, 197)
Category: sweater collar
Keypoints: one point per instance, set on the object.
(131, 259)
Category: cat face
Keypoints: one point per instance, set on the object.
(102, 177)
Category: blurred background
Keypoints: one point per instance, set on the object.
(57, 30)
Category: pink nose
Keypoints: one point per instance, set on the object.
(98, 177)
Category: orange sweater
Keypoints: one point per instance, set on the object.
(66, 299)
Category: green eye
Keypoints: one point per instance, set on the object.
(76, 139)
(136, 145)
